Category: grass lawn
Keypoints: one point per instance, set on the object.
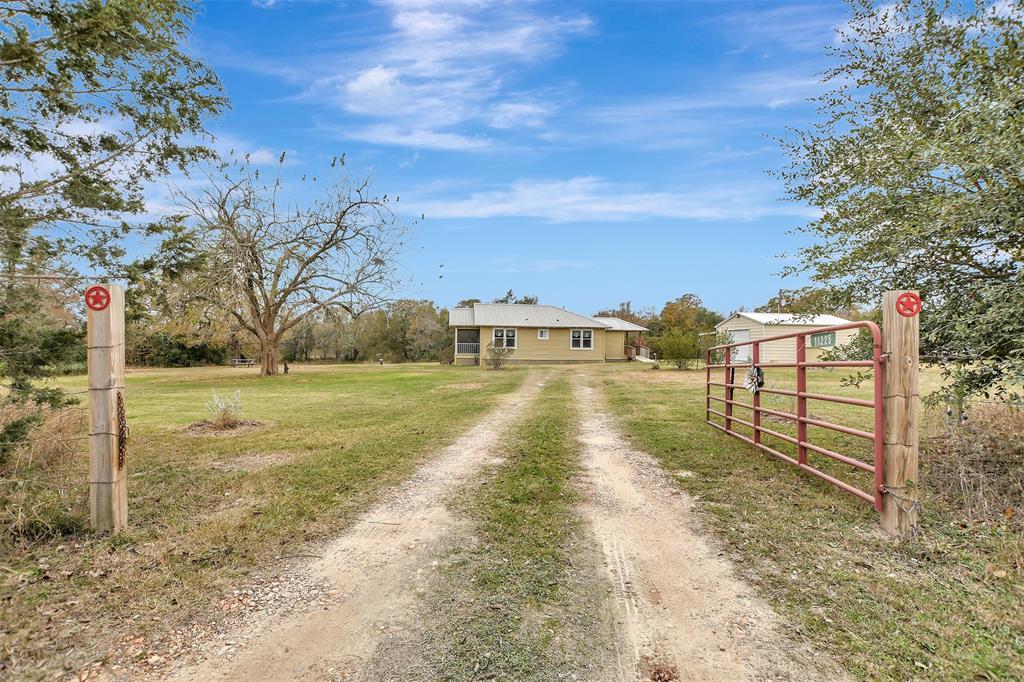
(949, 605)
(208, 509)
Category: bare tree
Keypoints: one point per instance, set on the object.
(271, 263)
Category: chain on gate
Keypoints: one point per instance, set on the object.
(122, 432)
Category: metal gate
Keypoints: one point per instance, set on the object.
(728, 366)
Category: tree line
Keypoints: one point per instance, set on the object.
(416, 330)
(404, 330)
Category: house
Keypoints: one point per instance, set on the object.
(745, 326)
(540, 334)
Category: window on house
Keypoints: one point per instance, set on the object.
(582, 339)
(504, 338)
(542, 334)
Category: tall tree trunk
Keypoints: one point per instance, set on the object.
(268, 357)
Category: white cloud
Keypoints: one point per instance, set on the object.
(801, 28)
(420, 138)
(518, 115)
(421, 24)
(594, 199)
(377, 83)
(695, 119)
(768, 88)
(442, 70)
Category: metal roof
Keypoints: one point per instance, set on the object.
(461, 317)
(789, 319)
(519, 315)
(619, 325)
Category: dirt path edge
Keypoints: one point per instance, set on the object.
(681, 611)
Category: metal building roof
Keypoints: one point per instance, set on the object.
(461, 317)
(789, 319)
(518, 315)
(619, 325)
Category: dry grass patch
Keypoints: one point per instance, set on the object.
(208, 427)
(468, 386)
(977, 467)
(42, 481)
(657, 670)
(670, 375)
(254, 461)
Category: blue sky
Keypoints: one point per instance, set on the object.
(587, 152)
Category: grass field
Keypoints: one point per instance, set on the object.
(210, 509)
(947, 606)
(206, 510)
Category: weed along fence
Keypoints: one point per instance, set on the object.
(892, 410)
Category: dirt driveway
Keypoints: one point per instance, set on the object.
(679, 611)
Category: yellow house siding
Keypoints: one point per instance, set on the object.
(614, 345)
(555, 349)
(486, 336)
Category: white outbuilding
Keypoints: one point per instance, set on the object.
(744, 326)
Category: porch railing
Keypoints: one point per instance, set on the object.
(467, 348)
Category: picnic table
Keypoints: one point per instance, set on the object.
(242, 362)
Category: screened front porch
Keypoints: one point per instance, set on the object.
(467, 342)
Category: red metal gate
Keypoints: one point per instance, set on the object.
(802, 396)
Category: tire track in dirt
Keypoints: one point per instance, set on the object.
(375, 567)
(681, 613)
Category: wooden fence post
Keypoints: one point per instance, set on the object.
(901, 393)
(108, 476)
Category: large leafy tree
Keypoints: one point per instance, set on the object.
(806, 301)
(917, 167)
(625, 311)
(687, 313)
(97, 98)
(680, 347)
